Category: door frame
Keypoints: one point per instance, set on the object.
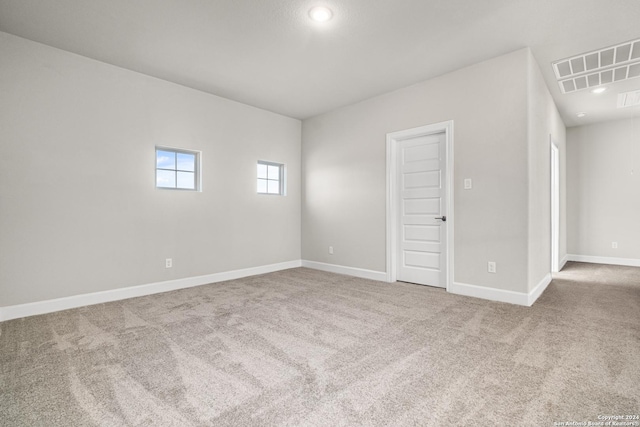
(393, 139)
(555, 206)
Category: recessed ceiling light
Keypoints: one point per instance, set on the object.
(581, 114)
(320, 14)
(599, 90)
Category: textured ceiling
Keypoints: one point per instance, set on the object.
(267, 53)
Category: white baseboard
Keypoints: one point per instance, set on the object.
(493, 294)
(349, 271)
(49, 306)
(630, 262)
(535, 293)
(563, 262)
(519, 298)
(501, 295)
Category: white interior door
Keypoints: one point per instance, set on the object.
(421, 206)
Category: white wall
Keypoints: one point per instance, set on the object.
(344, 158)
(603, 190)
(79, 211)
(544, 122)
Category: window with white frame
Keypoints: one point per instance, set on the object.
(177, 169)
(270, 178)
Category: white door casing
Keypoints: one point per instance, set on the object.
(555, 207)
(419, 191)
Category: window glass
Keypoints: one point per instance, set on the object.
(177, 169)
(273, 187)
(262, 171)
(165, 179)
(186, 180)
(270, 178)
(186, 162)
(274, 172)
(262, 186)
(165, 159)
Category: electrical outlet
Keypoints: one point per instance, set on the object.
(168, 263)
(614, 245)
(330, 250)
(491, 267)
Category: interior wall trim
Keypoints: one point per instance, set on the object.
(349, 271)
(393, 139)
(535, 293)
(502, 295)
(75, 301)
(492, 294)
(630, 262)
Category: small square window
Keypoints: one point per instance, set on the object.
(270, 178)
(177, 169)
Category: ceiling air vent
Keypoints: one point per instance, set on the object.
(604, 66)
(629, 99)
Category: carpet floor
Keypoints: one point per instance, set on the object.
(307, 348)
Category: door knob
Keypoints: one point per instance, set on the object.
(443, 218)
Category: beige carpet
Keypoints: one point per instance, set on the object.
(302, 347)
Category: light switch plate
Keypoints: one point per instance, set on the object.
(468, 184)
